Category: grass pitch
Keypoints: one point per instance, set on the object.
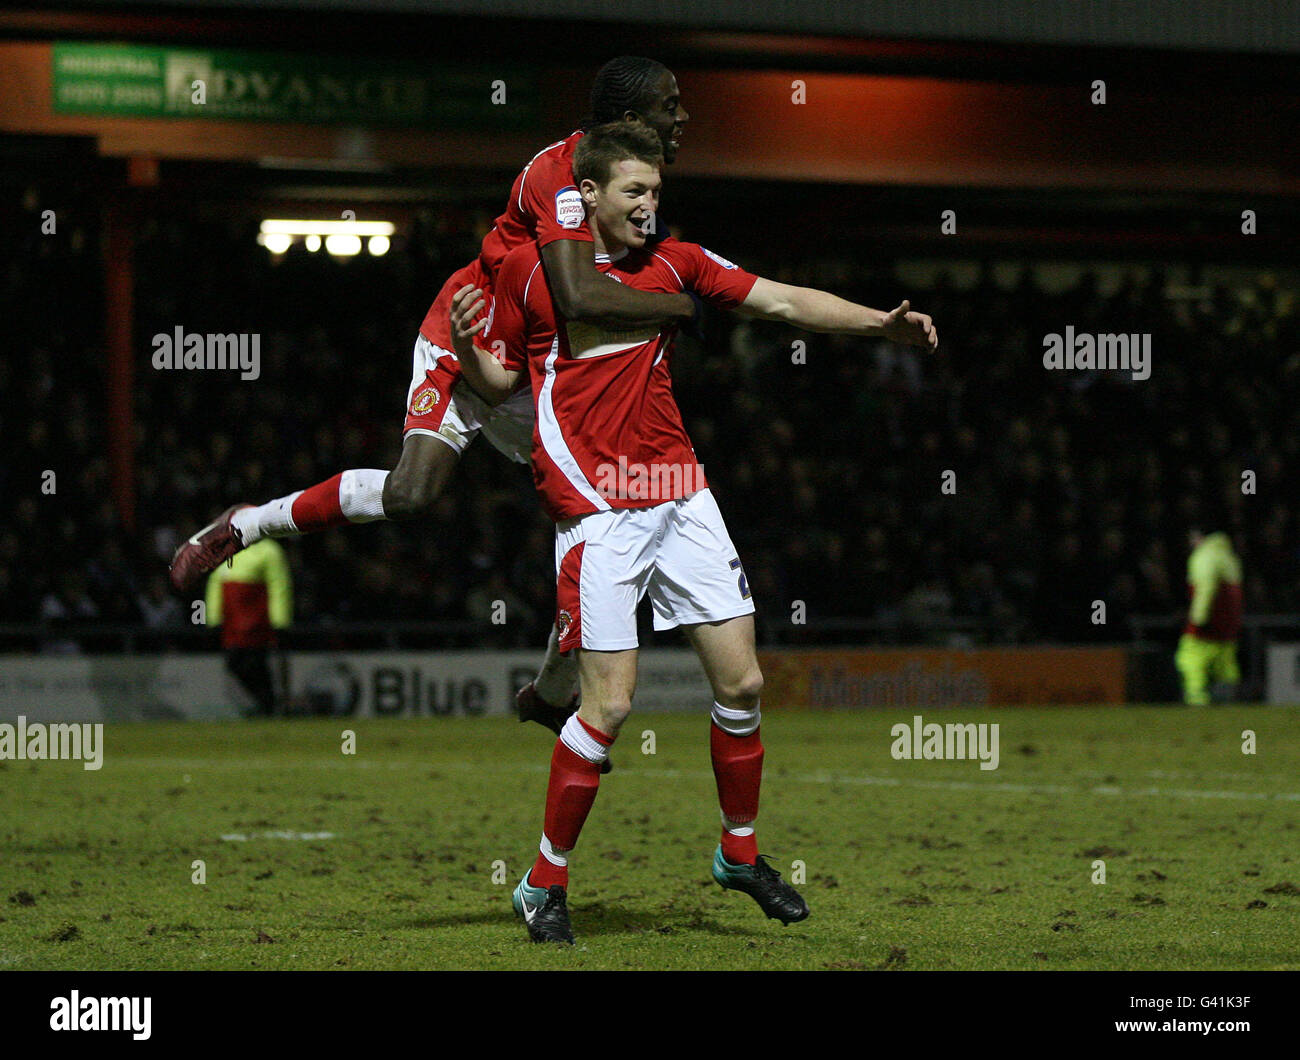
(386, 858)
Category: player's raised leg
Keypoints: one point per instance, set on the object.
(727, 652)
(360, 495)
(608, 679)
(436, 429)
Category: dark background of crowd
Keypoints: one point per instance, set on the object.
(1071, 487)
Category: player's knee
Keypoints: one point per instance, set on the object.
(744, 692)
(405, 498)
(412, 489)
(610, 714)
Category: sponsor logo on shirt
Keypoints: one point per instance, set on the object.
(592, 340)
(569, 211)
(718, 258)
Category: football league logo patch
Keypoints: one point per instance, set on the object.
(569, 211)
(564, 622)
(425, 401)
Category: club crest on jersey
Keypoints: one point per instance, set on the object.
(569, 211)
(718, 258)
(425, 402)
(563, 623)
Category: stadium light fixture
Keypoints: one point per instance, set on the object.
(328, 228)
(341, 238)
(276, 242)
(343, 244)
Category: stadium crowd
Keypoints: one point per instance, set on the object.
(1070, 487)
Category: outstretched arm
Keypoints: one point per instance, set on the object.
(488, 377)
(581, 292)
(815, 310)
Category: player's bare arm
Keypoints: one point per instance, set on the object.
(488, 377)
(820, 311)
(581, 292)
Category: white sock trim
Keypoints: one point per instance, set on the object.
(581, 742)
(552, 855)
(272, 519)
(736, 722)
(361, 494)
(245, 525)
(736, 828)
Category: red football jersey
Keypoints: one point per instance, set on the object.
(544, 206)
(608, 431)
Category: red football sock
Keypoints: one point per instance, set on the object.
(740, 849)
(318, 507)
(569, 797)
(738, 770)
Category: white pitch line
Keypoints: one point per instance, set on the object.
(1164, 774)
(241, 837)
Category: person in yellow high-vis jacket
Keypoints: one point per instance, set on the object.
(250, 598)
(1207, 651)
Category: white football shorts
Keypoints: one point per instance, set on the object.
(441, 404)
(678, 552)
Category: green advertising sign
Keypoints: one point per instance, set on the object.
(131, 80)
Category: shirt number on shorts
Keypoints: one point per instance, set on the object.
(742, 583)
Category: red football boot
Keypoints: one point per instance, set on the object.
(205, 551)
